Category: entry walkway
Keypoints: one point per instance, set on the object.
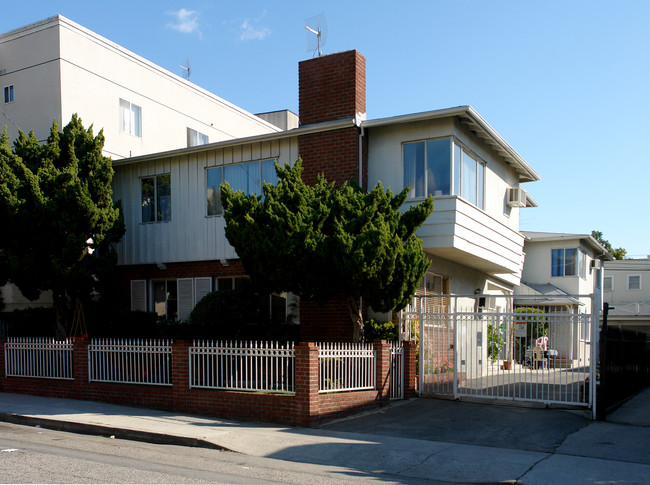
(408, 441)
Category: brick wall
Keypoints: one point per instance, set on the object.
(304, 408)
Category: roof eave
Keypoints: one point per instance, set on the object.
(476, 123)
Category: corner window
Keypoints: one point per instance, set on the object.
(156, 198)
(443, 167)
(608, 283)
(9, 93)
(246, 177)
(130, 118)
(568, 262)
(196, 138)
(634, 282)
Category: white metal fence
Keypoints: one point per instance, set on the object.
(130, 361)
(396, 370)
(38, 357)
(346, 366)
(242, 366)
(495, 349)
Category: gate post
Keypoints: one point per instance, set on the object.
(180, 374)
(382, 369)
(410, 369)
(306, 400)
(80, 369)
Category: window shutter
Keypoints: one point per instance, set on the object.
(139, 295)
(203, 286)
(185, 297)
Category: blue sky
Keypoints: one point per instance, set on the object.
(565, 83)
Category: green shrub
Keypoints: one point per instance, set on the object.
(379, 331)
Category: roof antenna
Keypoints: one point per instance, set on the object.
(316, 25)
(187, 69)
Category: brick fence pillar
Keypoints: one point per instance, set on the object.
(80, 367)
(410, 369)
(306, 401)
(3, 341)
(382, 352)
(180, 374)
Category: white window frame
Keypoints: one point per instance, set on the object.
(8, 92)
(608, 283)
(457, 153)
(196, 138)
(580, 263)
(155, 199)
(629, 279)
(222, 171)
(139, 295)
(130, 118)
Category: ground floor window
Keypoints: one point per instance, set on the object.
(174, 299)
(165, 299)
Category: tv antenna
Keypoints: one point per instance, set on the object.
(316, 26)
(187, 69)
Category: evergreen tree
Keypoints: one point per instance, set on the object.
(320, 241)
(57, 215)
(617, 253)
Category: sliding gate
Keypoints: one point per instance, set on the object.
(487, 346)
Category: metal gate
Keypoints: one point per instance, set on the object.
(489, 346)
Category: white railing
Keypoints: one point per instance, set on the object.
(397, 370)
(38, 357)
(130, 361)
(242, 366)
(346, 366)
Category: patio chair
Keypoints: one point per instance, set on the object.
(538, 358)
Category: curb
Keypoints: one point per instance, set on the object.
(117, 433)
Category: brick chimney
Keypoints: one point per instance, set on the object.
(333, 88)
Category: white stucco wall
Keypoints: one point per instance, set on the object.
(59, 68)
(485, 240)
(29, 60)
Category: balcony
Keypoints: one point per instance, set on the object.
(459, 231)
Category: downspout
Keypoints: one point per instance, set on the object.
(361, 134)
(358, 120)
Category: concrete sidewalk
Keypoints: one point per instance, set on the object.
(446, 441)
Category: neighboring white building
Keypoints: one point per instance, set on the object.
(569, 262)
(626, 287)
(567, 270)
(54, 68)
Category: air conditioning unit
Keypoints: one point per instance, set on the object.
(516, 197)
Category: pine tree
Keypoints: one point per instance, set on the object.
(58, 217)
(319, 241)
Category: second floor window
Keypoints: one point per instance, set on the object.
(443, 167)
(130, 118)
(156, 198)
(9, 94)
(247, 177)
(568, 262)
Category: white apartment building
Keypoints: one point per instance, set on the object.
(54, 68)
